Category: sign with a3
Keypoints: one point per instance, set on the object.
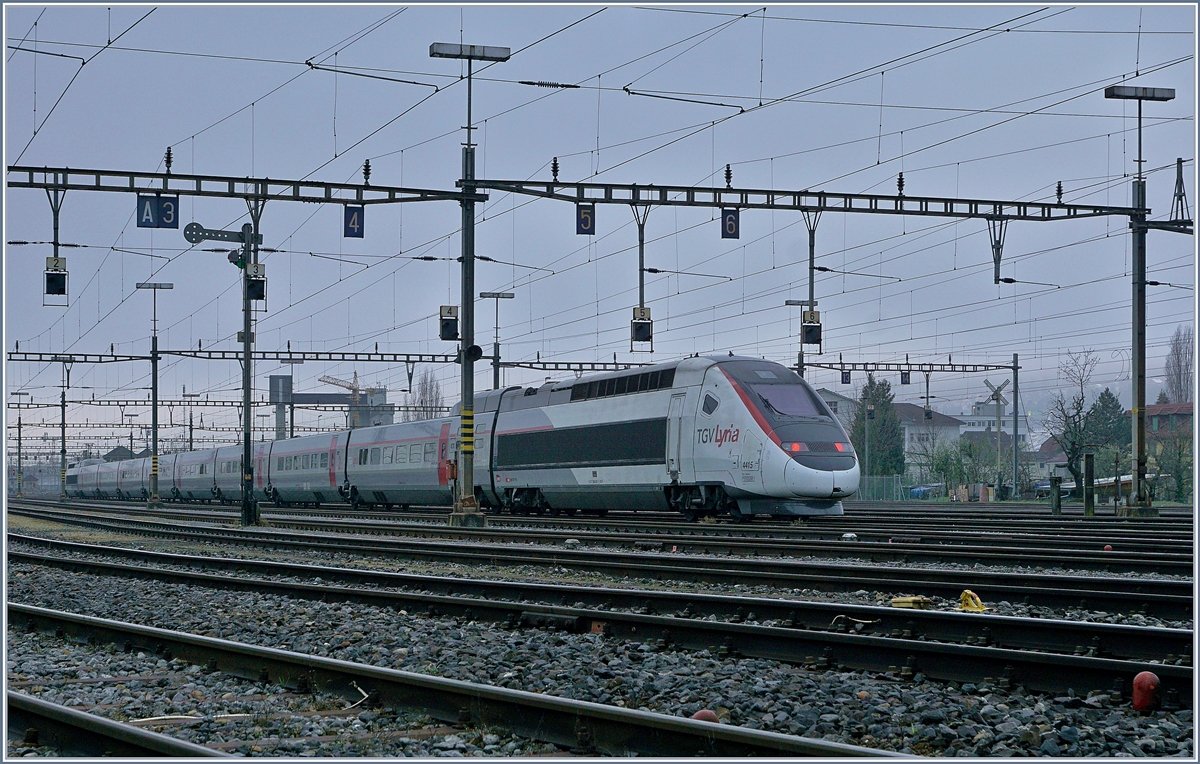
(585, 219)
(157, 211)
(353, 228)
(731, 224)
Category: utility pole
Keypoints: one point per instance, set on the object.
(63, 450)
(19, 457)
(1139, 496)
(154, 287)
(867, 448)
(497, 296)
(1016, 420)
(466, 510)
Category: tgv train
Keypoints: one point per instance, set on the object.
(703, 436)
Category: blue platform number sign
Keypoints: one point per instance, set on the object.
(585, 219)
(845, 377)
(354, 222)
(731, 225)
(906, 377)
(157, 211)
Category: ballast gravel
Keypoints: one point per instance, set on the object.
(241, 717)
(916, 717)
(564, 575)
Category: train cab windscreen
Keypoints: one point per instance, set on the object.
(805, 426)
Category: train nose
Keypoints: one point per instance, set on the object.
(805, 481)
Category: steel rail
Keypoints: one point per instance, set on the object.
(582, 725)
(1037, 671)
(874, 551)
(73, 732)
(1165, 598)
(509, 600)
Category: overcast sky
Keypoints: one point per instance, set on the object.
(995, 102)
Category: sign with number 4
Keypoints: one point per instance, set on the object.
(354, 223)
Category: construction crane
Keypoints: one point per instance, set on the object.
(354, 415)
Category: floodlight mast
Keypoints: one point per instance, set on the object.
(466, 509)
(154, 286)
(497, 296)
(1139, 496)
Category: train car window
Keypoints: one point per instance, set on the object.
(203, 469)
(710, 404)
(401, 455)
(414, 453)
(668, 378)
(593, 389)
(622, 385)
(765, 374)
(306, 461)
(387, 454)
(279, 465)
(579, 392)
(375, 455)
(324, 461)
(653, 378)
(431, 452)
(362, 456)
(287, 462)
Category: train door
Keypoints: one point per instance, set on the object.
(443, 464)
(674, 434)
(333, 464)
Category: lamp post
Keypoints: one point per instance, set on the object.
(466, 511)
(1138, 495)
(154, 286)
(867, 444)
(19, 467)
(497, 296)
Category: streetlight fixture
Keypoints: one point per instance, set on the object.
(466, 510)
(497, 296)
(154, 286)
(1138, 495)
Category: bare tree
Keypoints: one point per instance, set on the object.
(426, 402)
(1179, 366)
(1068, 420)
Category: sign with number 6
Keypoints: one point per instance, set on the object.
(731, 226)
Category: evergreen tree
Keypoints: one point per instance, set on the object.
(1107, 421)
(1163, 398)
(887, 436)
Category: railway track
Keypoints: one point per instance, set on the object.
(1161, 597)
(77, 733)
(996, 551)
(1035, 653)
(580, 725)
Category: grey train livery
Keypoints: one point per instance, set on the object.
(705, 435)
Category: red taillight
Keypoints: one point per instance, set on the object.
(794, 448)
(844, 447)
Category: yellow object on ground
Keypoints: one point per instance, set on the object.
(970, 602)
(916, 603)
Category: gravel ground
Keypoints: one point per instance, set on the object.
(562, 575)
(242, 717)
(917, 717)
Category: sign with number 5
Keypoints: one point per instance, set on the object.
(585, 219)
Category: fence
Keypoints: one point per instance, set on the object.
(880, 488)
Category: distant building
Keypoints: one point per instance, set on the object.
(842, 407)
(1049, 460)
(1169, 420)
(923, 436)
(983, 419)
(121, 453)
